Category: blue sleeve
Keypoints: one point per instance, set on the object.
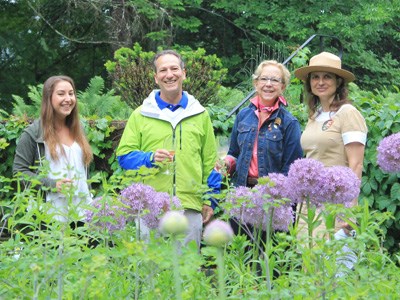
(214, 183)
(136, 159)
(292, 147)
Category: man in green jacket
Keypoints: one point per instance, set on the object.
(172, 114)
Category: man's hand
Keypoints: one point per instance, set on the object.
(207, 213)
(161, 155)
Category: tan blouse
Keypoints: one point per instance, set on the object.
(324, 137)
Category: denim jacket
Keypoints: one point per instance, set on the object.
(278, 143)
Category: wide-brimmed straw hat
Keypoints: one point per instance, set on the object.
(325, 62)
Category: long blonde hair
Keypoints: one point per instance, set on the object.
(71, 121)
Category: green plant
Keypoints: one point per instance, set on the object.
(32, 109)
(132, 74)
(43, 258)
(99, 132)
(11, 128)
(94, 101)
(381, 190)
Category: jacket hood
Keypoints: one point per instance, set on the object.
(150, 109)
(35, 131)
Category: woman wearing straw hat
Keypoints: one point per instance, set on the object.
(336, 132)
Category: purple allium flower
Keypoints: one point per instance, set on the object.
(304, 181)
(255, 206)
(308, 178)
(246, 205)
(389, 153)
(340, 185)
(148, 204)
(108, 213)
(282, 217)
(275, 191)
(277, 187)
(218, 233)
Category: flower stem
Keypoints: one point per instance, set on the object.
(221, 273)
(137, 279)
(310, 222)
(175, 262)
(266, 253)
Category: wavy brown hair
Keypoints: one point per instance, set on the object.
(313, 102)
(72, 121)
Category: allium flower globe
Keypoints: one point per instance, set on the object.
(173, 222)
(272, 192)
(389, 153)
(218, 233)
(309, 179)
(249, 205)
(340, 185)
(148, 204)
(304, 181)
(108, 214)
(245, 205)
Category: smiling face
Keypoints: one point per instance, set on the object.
(63, 99)
(169, 76)
(324, 85)
(269, 84)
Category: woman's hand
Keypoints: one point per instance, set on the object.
(222, 166)
(63, 183)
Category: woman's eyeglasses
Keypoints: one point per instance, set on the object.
(272, 80)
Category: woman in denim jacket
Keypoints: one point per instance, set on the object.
(265, 137)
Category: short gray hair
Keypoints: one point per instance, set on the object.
(165, 52)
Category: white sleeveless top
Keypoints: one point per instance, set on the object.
(69, 207)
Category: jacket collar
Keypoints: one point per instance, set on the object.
(151, 109)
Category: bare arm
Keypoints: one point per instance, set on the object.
(355, 156)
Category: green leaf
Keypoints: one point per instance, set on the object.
(395, 191)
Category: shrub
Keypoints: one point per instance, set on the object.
(133, 77)
(382, 190)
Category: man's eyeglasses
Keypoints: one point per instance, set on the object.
(272, 80)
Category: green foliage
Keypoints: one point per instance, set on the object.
(42, 258)
(32, 109)
(380, 110)
(222, 125)
(102, 134)
(95, 102)
(204, 74)
(228, 98)
(10, 129)
(367, 29)
(133, 75)
(43, 38)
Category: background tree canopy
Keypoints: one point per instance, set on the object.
(39, 38)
